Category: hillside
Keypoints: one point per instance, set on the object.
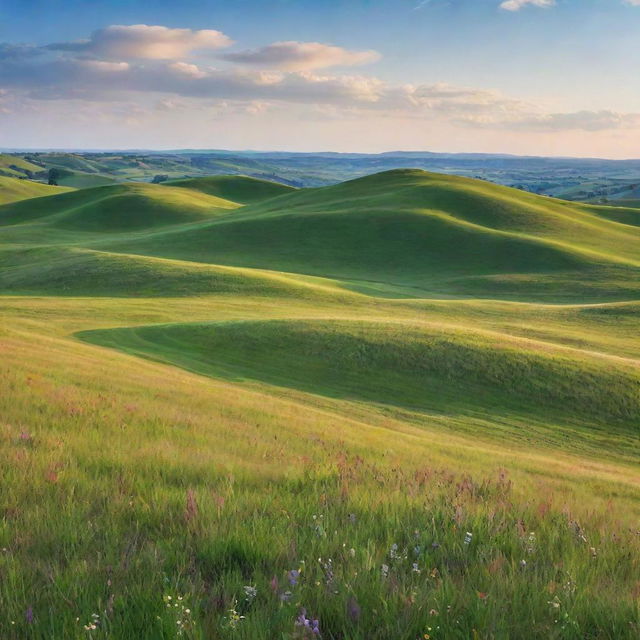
(241, 189)
(14, 189)
(16, 166)
(428, 232)
(117, 208)
(405, 406)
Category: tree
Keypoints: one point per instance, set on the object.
(54, 176)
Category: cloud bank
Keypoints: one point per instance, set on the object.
(145, 65)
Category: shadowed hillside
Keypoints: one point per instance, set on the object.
(427, 368)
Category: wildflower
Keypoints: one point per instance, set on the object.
(286, 596)
(29, 615)
(523, 563)
(250, 593)
(273, 584)
(306, 623)
(385, 570)
(593, 551)
(328, 570)
(415, 568)
(353, 609)
(352, 552)
(293, 576)
(416, 550)
(467, 538)
(234, 618)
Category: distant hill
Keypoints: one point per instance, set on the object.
(17, 167)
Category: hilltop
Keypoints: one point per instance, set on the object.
(241, 189)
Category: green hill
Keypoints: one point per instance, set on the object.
(16, 166)
(242, 189)
(118, 208)
(15, 189)
(425, 231)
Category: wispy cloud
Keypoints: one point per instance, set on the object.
(516, 5)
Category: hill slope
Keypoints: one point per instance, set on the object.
(425, 368)
(242, 189)
(431, 232)
(118, 208)
(14, 189)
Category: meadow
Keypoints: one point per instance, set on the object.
(401, 407)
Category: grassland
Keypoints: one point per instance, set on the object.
(14, 190)
(403, 407)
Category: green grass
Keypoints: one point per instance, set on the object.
(15, 166)
(421, 392)
(242, 189)
(434, 233)
(14, 190)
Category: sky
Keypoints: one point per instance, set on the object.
(528, 77)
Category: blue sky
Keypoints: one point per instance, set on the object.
(552, 77)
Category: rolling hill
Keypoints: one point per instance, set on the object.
(118, 208)
(241, 189)
(405, 406)
(427, 232)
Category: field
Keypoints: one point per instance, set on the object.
(400, 407)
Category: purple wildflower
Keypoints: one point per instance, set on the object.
(29, 615)
(353, 609)
(307, 623)
(293, 576)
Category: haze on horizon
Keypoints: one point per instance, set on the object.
(529, 77)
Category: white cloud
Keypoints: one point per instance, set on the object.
(147, 71)
(301, 56)
(516, 5)
(141, 41)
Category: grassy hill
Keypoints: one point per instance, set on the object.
(428, 232)
(117, 208)
(405, 406)
(14, 189)
(242, 189)
(17, 167)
